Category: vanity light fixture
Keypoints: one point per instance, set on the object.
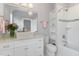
(30, 5)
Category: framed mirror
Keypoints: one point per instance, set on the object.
(25, 19)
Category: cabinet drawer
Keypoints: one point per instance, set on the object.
(35, 43)
(33, 47)
(34, 52)
(28, 42)
(6, 45)
(20, 43)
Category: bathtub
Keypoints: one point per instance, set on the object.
(69, 50)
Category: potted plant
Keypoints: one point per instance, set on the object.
(12, 27)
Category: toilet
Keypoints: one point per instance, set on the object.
(51, 50)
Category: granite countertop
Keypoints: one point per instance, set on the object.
(5, 37)
(20, 36)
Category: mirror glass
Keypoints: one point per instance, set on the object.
(26, 20)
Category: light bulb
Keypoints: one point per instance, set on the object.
(30, 13)
(30, 5)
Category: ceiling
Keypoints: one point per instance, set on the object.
(68, 5)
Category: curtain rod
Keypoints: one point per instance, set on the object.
(73, 20)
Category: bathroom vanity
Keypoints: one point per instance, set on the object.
(27, 42)
(22, 45)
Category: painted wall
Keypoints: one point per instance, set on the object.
(73, 12)
(34, 25)
(73, 32)
(1, 9)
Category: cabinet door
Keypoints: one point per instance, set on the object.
(1, 9)
(33, 52)
(29, 48)
(28, 51)
(19, 51)
(7, 52)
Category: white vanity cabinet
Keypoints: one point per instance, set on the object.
(6, 48)
(32, 47)
(1, 9)
(22, 47)
(35, 48)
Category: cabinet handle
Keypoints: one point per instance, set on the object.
(39, 40)
(8, 55)
(39, 47)
(7, 46)
(26, 48)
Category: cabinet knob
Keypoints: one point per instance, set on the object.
(7, 46)
(40, 55)
(39, 47)
(8, 55)
(26, 48)
(39, 40)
